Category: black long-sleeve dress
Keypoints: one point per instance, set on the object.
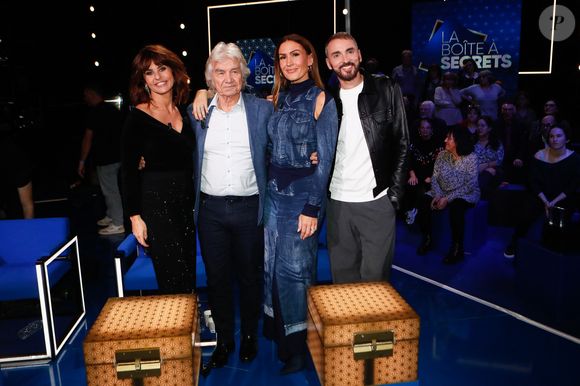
(162, 193)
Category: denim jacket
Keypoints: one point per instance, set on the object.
(294, 134)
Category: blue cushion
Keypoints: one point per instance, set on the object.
(19, 280)
(31, 239)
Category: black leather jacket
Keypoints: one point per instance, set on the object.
(382, 114)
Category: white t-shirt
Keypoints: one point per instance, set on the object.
(353, 179)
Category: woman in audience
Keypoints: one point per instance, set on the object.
(489, 151)
(422, 155)
(554, 176)
(454, 184)
(448, 100)
(486, 94)
(432, 82)
(470, 122)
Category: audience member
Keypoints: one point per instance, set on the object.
(486, 94)
(102, 140)
(447, 99)
(489, 151)
(407, 76)
(551, 107)
(454, 184)
(554, 176)
(304, 120)
(369, 173)
(538, 137)
(422, 155)
(524, 113)
(427, 111)
(470, 121)
(230, 187)
(433, 80)
(468, 76)
(371, 67)
(515, 142)
(16, 167)
(159, 197)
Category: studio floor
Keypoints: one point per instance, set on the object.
(477, 326)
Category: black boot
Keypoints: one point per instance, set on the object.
(425, 245)
(455, 254)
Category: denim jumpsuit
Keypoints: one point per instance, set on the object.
(295, 187)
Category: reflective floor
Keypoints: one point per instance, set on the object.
(468, 334)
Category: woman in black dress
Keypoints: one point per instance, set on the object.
(159, 194)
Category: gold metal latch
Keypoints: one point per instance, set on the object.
(139, 363)
(374, 344)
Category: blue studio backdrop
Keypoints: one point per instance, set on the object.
(488, 31)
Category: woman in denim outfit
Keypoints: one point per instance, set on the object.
(304, 121)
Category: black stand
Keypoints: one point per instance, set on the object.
(369, 377)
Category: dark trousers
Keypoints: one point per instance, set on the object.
(457, 209)
(232, 245)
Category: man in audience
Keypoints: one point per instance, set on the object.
(515, 142)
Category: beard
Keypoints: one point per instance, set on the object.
(350, 75)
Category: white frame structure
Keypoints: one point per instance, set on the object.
(246, 4)
(52, 347)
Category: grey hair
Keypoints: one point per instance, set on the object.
(223, 51)
(430, 104)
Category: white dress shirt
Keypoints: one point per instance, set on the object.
(227, 168)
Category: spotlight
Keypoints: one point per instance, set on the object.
(92, 9)
(97, 64)
(182, 26)
(94, 35)
(184, 53)
(345, 12)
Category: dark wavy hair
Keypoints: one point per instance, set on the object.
(463, 140)
(493, 140)
(157, 54)
(280, 82)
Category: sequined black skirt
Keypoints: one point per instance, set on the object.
(167, 202)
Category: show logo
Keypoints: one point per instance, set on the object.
(259, 53)
(457, 43)
(487, 31)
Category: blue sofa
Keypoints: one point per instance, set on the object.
(22, 243)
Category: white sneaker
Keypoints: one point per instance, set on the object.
(112, 229)
(105, 221)
(411, 216)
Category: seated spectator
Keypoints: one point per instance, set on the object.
(447, 100)
(427, 111)
(490, 153)
(422, 155)
(554, 176)
(470, 122)
(524, 113)
(514, 138)
(468, 75)
(432, 81)
(454, 185)
(551, 108)
(407, 76)
(538, 137)
(372, 67)
(486, 94)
